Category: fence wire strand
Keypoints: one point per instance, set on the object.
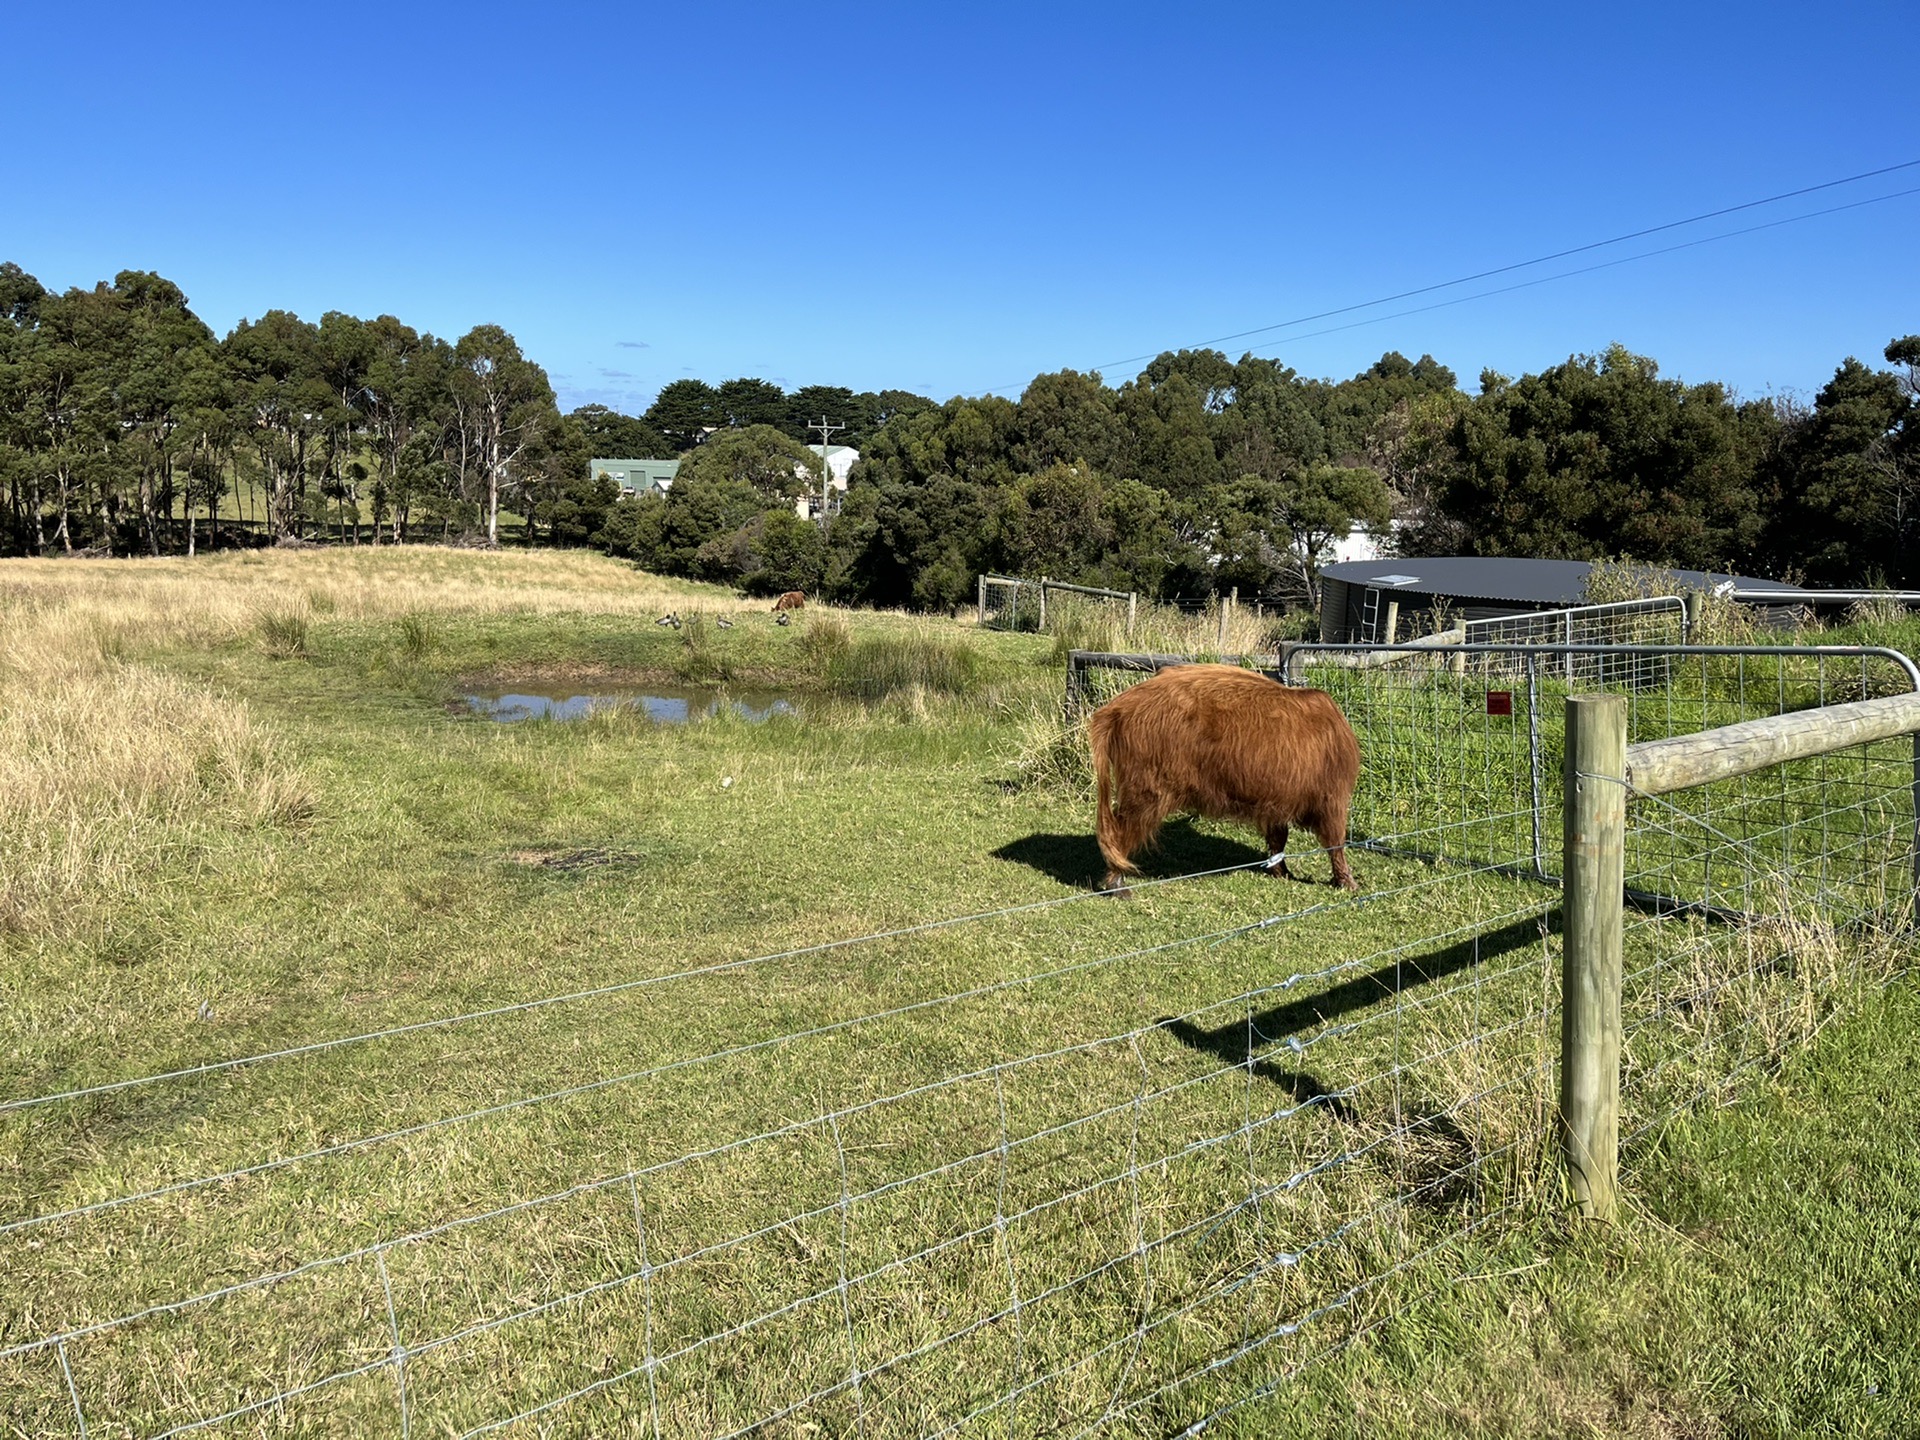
(1088, 1229)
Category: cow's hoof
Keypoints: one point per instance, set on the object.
(1115, 889)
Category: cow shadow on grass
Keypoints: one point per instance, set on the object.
(1292, 1027)
(1076, 859)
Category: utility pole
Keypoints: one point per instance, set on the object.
(826, 475)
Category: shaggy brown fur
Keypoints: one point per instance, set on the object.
(792, 600)
(1228, 743)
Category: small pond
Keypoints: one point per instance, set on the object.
(664, 704)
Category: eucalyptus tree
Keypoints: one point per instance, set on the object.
(279, 401)
(505, 412)
(1847, 493)
(779, 468)
(1600, 456)
(1172, 411)
(69, 418)
(343, 353)
(406, 404)
(1067, 418)
(165, 370)
(21, 455)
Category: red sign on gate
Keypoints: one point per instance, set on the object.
(1499, 702)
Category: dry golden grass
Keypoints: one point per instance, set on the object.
(1082, 623)
(106, 762)
(218, 597)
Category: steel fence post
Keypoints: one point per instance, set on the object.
(1536, 765)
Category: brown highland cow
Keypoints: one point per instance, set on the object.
(792, 600)
(1223, 742)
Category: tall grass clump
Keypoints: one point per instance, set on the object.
(1610, 582)
(876, 666)
(1755, 993)
(827, 638)
(1298, 625)
(417, 635)
(283, 633)
(700, 661)
(1169, 630)
(110, 765)
(1724, 622)
(1080, 622)
(1050, 752)
(1883, 620)
(1721, 621)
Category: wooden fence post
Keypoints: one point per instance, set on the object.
(1043, 602)
(1690, 626)
(982, 621)
(1594, 866)
(1133, 597)
(1393, 621)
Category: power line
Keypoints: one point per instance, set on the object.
(1525, 264)
(1582, 270)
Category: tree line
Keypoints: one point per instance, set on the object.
(126, 425)
(1205, 473)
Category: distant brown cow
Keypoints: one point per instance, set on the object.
(1228, 743)
(792, 600)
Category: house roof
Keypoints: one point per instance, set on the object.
(1534, 582)
(647, 467)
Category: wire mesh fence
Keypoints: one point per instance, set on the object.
(1462, 746)
(1065, 1166)
(1761, 905)
(1459, 740)
(1813, 906)
(1007, 602)
(847, 1226)
(1378, 618)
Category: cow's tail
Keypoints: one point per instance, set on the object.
(1106, 824)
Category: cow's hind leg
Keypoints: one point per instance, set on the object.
(1277, 850)
(1332, 830)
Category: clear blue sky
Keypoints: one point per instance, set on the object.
(953, 200)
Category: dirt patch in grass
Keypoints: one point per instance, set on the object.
(586, 858)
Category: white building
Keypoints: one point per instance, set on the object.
(1360, 544)
(840, 460)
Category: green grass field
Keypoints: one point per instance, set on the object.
(967, 1165)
